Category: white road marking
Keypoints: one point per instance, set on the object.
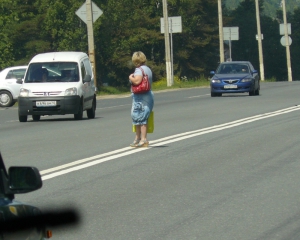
(198, 96)
(94, 160)
(115, 106)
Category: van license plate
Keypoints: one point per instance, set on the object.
(46, 103)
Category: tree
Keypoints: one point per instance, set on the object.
(196, 49)
(7, 18)
(61, 26)
(295, 47)
(246, 48)
(123, 30)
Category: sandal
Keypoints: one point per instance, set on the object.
(135, 143)
(143, 143)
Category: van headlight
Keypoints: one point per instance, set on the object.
(71, 91)
(24, 92)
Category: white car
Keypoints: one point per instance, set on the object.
(9, 87)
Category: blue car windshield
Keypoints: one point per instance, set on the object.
(52, 72)
(233, 69)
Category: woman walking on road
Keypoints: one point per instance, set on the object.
(142, 103)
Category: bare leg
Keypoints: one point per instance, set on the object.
(144, 132)
(137, 136)
(143, 142)
(137, 132)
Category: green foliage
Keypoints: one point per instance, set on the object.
(127, 30)
(295, 47)
(7, 18)
(274, 54)
(182, 82)
(34, 26)
(272, 79)
(61, 26)
(108, 90)
(270, 6)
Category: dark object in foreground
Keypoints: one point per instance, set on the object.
(23, 221)
(49, 219)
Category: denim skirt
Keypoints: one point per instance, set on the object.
(142, 105)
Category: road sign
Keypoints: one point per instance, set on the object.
(175, 25)
(281, 28)
(231, 33)
(283, 42)
(262, 37)
(81, 12)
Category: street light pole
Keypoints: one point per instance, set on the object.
(288, 57)
(261, 61)
(221, 31)
(90, 33)
(167, 44)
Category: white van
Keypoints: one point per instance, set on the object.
(58, 83)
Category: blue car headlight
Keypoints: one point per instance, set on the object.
(246, 80)
(215, 81)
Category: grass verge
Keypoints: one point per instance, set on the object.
(157, 86)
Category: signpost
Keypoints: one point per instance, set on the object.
(175, 26)
(89, 12)
(286, 33)
(230, 33)
(167, 44)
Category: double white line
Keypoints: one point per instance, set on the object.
(91, 161)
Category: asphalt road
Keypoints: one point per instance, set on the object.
(217, 168)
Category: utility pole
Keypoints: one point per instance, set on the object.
(221, 31)
(261, 61)
(90, 32)
(167, 44)
(288, 56)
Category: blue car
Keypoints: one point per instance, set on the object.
(235, 77)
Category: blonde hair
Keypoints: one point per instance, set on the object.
(139, 58)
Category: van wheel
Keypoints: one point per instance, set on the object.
(36, 117)
(91, 112)
(22, 118)
(6, 99)
(78, 116)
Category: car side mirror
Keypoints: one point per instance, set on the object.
(254, 71)
(19, 81)
(87, 78)
(212, 72)
(24, 179)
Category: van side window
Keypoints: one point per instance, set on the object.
(83, 71)
(88, 67)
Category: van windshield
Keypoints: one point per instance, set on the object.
(52, 72)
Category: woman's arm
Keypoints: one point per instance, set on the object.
(135, 79)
